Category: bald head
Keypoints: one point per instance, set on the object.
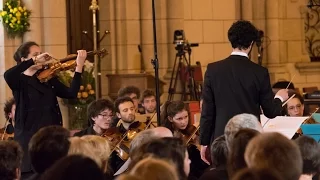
(162, 132)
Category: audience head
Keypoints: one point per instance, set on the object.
(169, 149)
(310, 152)
(130, 91)
(219, 152)
(149, 135)
(155, 169)
(100, 113)
(47, 146)
(101, 147)
(237, 149)
(74, 167)
(10, 160)
(125, 109)
(242, 34)
(175, 116)
(26, 51)
(9, 109)
(148, 101)
(273, 150)
(257, 174)
(238, 122)
(295, 106)
(79, 146)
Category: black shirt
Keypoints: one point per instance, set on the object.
(36, 104)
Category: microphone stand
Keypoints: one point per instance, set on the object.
(155, 62)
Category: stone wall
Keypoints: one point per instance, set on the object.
(204, 21)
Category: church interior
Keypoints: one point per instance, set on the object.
(163, 47)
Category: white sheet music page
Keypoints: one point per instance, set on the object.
(285, 125)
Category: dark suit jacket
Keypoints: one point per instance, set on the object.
(87, 131)
(233, 86)
(36, 104)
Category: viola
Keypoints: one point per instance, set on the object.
(190, 134)
(69, 63)
(120, 143)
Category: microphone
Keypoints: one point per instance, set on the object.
(310, 4)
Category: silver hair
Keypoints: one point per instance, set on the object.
(238, 122)
(142, 138)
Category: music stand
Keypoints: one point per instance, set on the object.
(311, 130)
(285, 125)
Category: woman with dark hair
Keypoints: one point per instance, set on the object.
(169, 149)
(74, 167)
(236, 160)
(36, 102)
(310, 152)
(175, 116)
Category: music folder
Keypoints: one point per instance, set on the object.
(312, 130)
(285, 125)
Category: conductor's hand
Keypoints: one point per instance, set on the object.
(283, 93)
(203, 154)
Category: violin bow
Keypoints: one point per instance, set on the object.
(191, 136)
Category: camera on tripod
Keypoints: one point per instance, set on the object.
(181, 43)
(182, 68)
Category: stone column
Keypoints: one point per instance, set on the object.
(7, 48)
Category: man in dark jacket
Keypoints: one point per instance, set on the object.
(236, 85)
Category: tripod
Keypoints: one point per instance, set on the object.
(186, 75)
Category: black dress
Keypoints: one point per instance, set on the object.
(36, 104)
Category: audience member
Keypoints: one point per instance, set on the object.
(219, 155)
(310, 152)
(47, 146)
(275, 151)
(237, 149)
(238, 122)
(77, 167)
(257, 174)
(10, 160)
(169, 149)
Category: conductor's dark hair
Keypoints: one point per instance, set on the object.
(241, 34)
(23, 51)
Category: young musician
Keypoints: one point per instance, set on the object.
(9, 112)
(100, 113)
(36, 102)
(148, 101)
(176, 118)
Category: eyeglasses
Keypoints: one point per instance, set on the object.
(298, 107)
(106, 116)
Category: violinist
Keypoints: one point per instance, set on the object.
(176, 118)
(100, 113)
(125, 111)
(148, 102)
(36, 102)
(9, 112)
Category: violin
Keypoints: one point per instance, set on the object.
(69, 63)
(189, 136)
(121, 143)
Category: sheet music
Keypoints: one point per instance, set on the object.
(285, 125)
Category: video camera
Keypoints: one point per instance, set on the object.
(180, 41)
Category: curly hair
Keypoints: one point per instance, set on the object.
(129, 90)
(241, 34)
(7, 107)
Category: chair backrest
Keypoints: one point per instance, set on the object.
(309, 89)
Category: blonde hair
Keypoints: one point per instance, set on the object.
(80, 146)
(100, 147)
(155, 169)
